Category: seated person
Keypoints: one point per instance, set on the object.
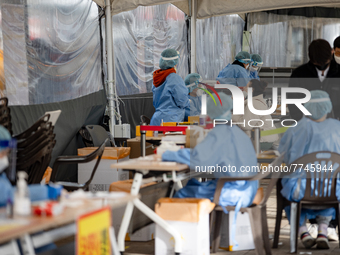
(237, 72)
(6, 189)
(195, 92)
(313, 133)
(255, 66)
(259, 103)
(170, 96)
(224, 147)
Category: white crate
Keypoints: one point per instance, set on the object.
(104, 175)
(195, 238)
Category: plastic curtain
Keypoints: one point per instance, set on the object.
(139, 37)
(51, 50)
(218, 40)
(283, 40)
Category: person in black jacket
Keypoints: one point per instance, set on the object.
(336, 48)
(320, 73)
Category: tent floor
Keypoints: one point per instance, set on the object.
(147, 248)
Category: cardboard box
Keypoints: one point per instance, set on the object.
(104, 175)
(169, 124)
(188, 216)
(194, 119)
(192, 136)
(134, 144)
(148, 133)
(243, 233)
(114, 153)
(125, 185)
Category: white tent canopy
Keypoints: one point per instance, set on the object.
(196, 9)
(209, 8)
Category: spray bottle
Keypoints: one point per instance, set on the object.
(22, 202)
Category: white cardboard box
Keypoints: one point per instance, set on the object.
(145, 234)
(104, 175)
(195, 238)
(190, 217)
(243, 233)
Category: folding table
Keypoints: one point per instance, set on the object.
(143, 166)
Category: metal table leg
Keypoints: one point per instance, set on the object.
(143, 141)
(293, 212)
(113, 242)
(137, 180)
(27, 245)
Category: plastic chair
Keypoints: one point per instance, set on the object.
(94, 135)
(42, 133)
(31, 130)
(30, 153)
(36, 165)
(145, 119)
(257, 213)
(71, 186)
(5, 115)
(325, 198)
(34, 149)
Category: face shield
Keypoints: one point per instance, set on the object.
(256, 66)
(193, 86)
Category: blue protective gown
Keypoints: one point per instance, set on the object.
(6, 190)
(194, 109)
(308, 137)
(223, 146)
(234, 75)
(254, 75)
(170, 100)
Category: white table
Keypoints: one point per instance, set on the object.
(143, 166)
(34, 224)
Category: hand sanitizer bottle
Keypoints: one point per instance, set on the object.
(22, 202)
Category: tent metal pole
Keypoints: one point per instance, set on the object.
(109, 52)
(193, 13)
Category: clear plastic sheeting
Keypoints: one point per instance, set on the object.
(218, 40)
(139, 37)
(283, 40)
(14, 53)
(62, 50)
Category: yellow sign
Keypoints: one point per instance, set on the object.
(93, 233)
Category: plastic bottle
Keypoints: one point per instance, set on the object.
(22, 202)
(202, 120)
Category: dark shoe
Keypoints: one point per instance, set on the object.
(322, 242)
(307, 240)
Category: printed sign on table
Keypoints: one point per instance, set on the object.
(93, 233)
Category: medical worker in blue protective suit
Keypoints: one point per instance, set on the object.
(255, 66)
(223, 147)
(195, 92)
(170, 96)
(312, 134)
(6, 189)
(237, 72)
